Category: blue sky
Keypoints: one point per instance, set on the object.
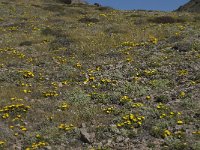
(164, 5)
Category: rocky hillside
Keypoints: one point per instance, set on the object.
(86, 77)
(191, 6)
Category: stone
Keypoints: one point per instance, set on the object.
(119, 139)
(86, 137)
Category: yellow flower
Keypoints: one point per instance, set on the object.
(182, 94)
(16, 134)
(78, 65)
(183, 72)
(104, 15)
(6, 115)
(23, 129)
(119, 125)
(148, 97)
(38, 136)
(163, 115)
(2, 142)
(166, 133)
(64, 106)
(125, 99)
(179, 122)
(11, 127)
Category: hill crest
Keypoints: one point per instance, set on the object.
(191, 6)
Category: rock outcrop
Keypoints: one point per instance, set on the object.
(191, 6)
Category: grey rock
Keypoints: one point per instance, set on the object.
(109, 142)
(83, 125)
(119, 139)
(114, 129)
(86, 137)
(48, 147)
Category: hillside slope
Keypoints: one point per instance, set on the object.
(191, 6)
(84, 77)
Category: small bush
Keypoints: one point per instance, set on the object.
(162, 99)
(166, 19)
(25, 43)
(184, 46)
(88, 20)
(106, 8)
(59, 42)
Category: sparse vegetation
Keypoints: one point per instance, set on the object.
(86, 77)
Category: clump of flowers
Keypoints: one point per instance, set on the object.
(166, 133)
(136, 105)
(163, 115)
(148, 97)
(131, 121)
(50, 94)
(7, 110)
(182, 94)
(129, 59)
(108, 81)
(182, 72)
(23, 128)
(153, 40)
(15, 107)
(28, 74)
(2, 143)
(196, 132)
(150, 72)
(108, 110)
(131, 44)
(78, 65)
(64, 106)
(16, 99)
(66, 127)
(125, 99)
(161, 106)
(104, 15)
(26, 91)
(179, 122)
(60, 59)
(37, 145)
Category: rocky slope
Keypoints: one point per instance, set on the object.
(82, 77)
(191, 6)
